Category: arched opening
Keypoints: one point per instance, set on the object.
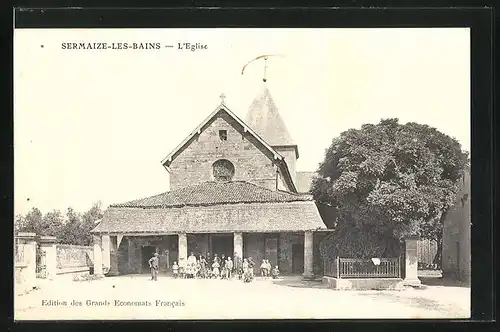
(223, 170)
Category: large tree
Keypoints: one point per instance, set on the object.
(387, 182)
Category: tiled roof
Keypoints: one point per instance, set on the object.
(212, 193)
(226, 218)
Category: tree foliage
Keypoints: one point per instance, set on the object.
(387, 182)
(71, 228)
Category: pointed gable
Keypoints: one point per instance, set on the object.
(197, 131)
(264, 118)
(223, 137)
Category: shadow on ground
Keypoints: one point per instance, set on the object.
(299, 283)
(443, 282)
(414, 301)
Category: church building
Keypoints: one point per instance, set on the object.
(234, 188)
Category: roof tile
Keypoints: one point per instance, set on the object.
(213, 193)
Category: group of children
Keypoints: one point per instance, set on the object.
(221, 267)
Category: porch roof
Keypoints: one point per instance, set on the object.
(241, 217)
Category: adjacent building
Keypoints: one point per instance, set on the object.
(456, 235)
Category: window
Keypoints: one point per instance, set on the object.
(223, 135)
(223, 170)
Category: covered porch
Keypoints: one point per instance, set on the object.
(295, 253)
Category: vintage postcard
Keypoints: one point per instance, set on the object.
(201, 174)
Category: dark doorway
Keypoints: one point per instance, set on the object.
(297, 258)
(222, 244)
(271, 246)
(146, 253)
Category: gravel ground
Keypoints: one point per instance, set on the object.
(136, 297)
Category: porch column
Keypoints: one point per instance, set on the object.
(97, 255)
(48, 248)
(182, 246)
(308, 255)
(106, 253)
(113, 256)
(411, 262)
(238, 244)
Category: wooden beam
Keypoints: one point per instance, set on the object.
(143, 234)
(119, 238)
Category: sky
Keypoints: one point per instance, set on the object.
(94, 125)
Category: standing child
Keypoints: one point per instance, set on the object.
(247, 275)
(263, 268)
(229, 267)
(175, 268)
(182, 268)
(268, 268)
(215, 268)
(223, 267)
(251, 265)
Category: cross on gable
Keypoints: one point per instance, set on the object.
(222, 97)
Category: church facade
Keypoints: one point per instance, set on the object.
(234, 189)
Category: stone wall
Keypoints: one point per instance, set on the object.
(252, 161)
(70, 256)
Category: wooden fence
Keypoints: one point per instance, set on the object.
(362, 268)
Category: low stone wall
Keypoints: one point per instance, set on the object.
(73, 260)
(69, 255)
(364, 283)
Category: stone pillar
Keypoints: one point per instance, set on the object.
(411, 262)
(308, 255)
(238, 244)
(97, 255)
(27, 245)
(106, 252)
(48, 247)
(183, 247)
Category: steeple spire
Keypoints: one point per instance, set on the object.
(264, 118)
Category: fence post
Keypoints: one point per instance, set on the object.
(48, 246)
(337, 262)
(399, 266)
